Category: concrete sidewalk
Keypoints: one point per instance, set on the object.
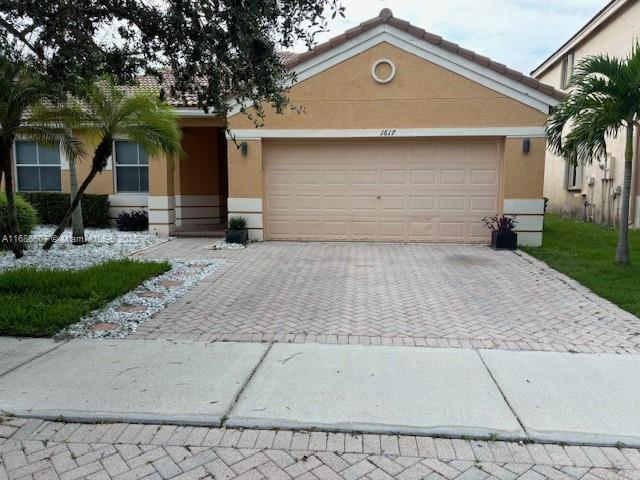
(571, 398)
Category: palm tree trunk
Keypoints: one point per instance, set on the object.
(14, 243)
(76, 217)
(100, 157)
(622, 250)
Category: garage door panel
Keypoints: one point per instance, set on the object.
(362, 229)
(279, 177)
(453, 177)
(336, 203)
(279, 202)
(368, 203)
(422, 203)
(423, 177)
(336, 177)
(392, 230)
(450, 203)
(311, 203)
(392, 203)
(484, 177)
(481, 204)
(477, 230)
(365, 177)
(370, 190)
(393, 177)
(449, 230)
(308, 177)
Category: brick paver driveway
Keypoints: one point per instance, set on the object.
(417, 294)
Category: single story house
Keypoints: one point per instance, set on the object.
(593, 192)
(403, 137)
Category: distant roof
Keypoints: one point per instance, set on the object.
(598, 20)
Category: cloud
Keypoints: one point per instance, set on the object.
(519, 33)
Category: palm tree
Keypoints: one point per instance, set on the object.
(107, 112)
(22, 91)
(604, 100)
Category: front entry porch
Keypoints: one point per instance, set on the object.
(188, 196)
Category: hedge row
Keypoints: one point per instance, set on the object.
(51, 207)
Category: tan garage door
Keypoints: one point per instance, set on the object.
(380, 190)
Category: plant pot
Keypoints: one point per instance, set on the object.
(237, 236)
(504, 240)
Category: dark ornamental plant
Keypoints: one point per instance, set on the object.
(237, 231)
(135, 221)
(503, 236)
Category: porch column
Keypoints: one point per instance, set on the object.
(522, 187)
(162, 214)
(245, 185)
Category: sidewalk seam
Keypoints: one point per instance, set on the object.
(244, 386)
(504, 396)
(33, 358)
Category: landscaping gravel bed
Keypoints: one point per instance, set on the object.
(103, 244)
(123, 315)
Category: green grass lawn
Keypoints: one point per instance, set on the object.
(586, 253)
(39, 303)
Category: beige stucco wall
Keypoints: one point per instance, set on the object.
(523, 173)
(245, 172)
(616, 38)
(422, 95)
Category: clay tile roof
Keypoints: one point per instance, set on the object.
(386, 16)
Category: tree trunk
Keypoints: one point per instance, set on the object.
(13, 243)
(76, 217)
(100, 157)
(622, 250)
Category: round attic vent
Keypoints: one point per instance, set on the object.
(389, 76)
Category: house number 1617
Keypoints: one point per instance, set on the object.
(388, 132)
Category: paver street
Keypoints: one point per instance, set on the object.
(33, 449)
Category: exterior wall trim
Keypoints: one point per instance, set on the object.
(517, 132)
(251, 209)
(453, 62)
(530, 217)
(194, 113)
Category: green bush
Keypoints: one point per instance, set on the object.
(237, 223)
(51, 207)
(27, 217)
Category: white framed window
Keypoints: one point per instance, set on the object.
(574, 176)
(567, 70)
(37, 167)
(131, 167)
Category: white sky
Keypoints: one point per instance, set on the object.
(519, 33)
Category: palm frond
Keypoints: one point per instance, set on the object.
(604, 97)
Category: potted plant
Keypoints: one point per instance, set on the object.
(237, 231)
(502, 235)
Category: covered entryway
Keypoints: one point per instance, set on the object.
(381, 190)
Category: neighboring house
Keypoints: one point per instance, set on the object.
(404, 137)
(593, 191)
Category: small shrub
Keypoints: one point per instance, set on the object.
(134, 221)
(52, 206)
(27, 217)
(500, 223)
(237, 223)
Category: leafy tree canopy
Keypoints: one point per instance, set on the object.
(217, 50)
